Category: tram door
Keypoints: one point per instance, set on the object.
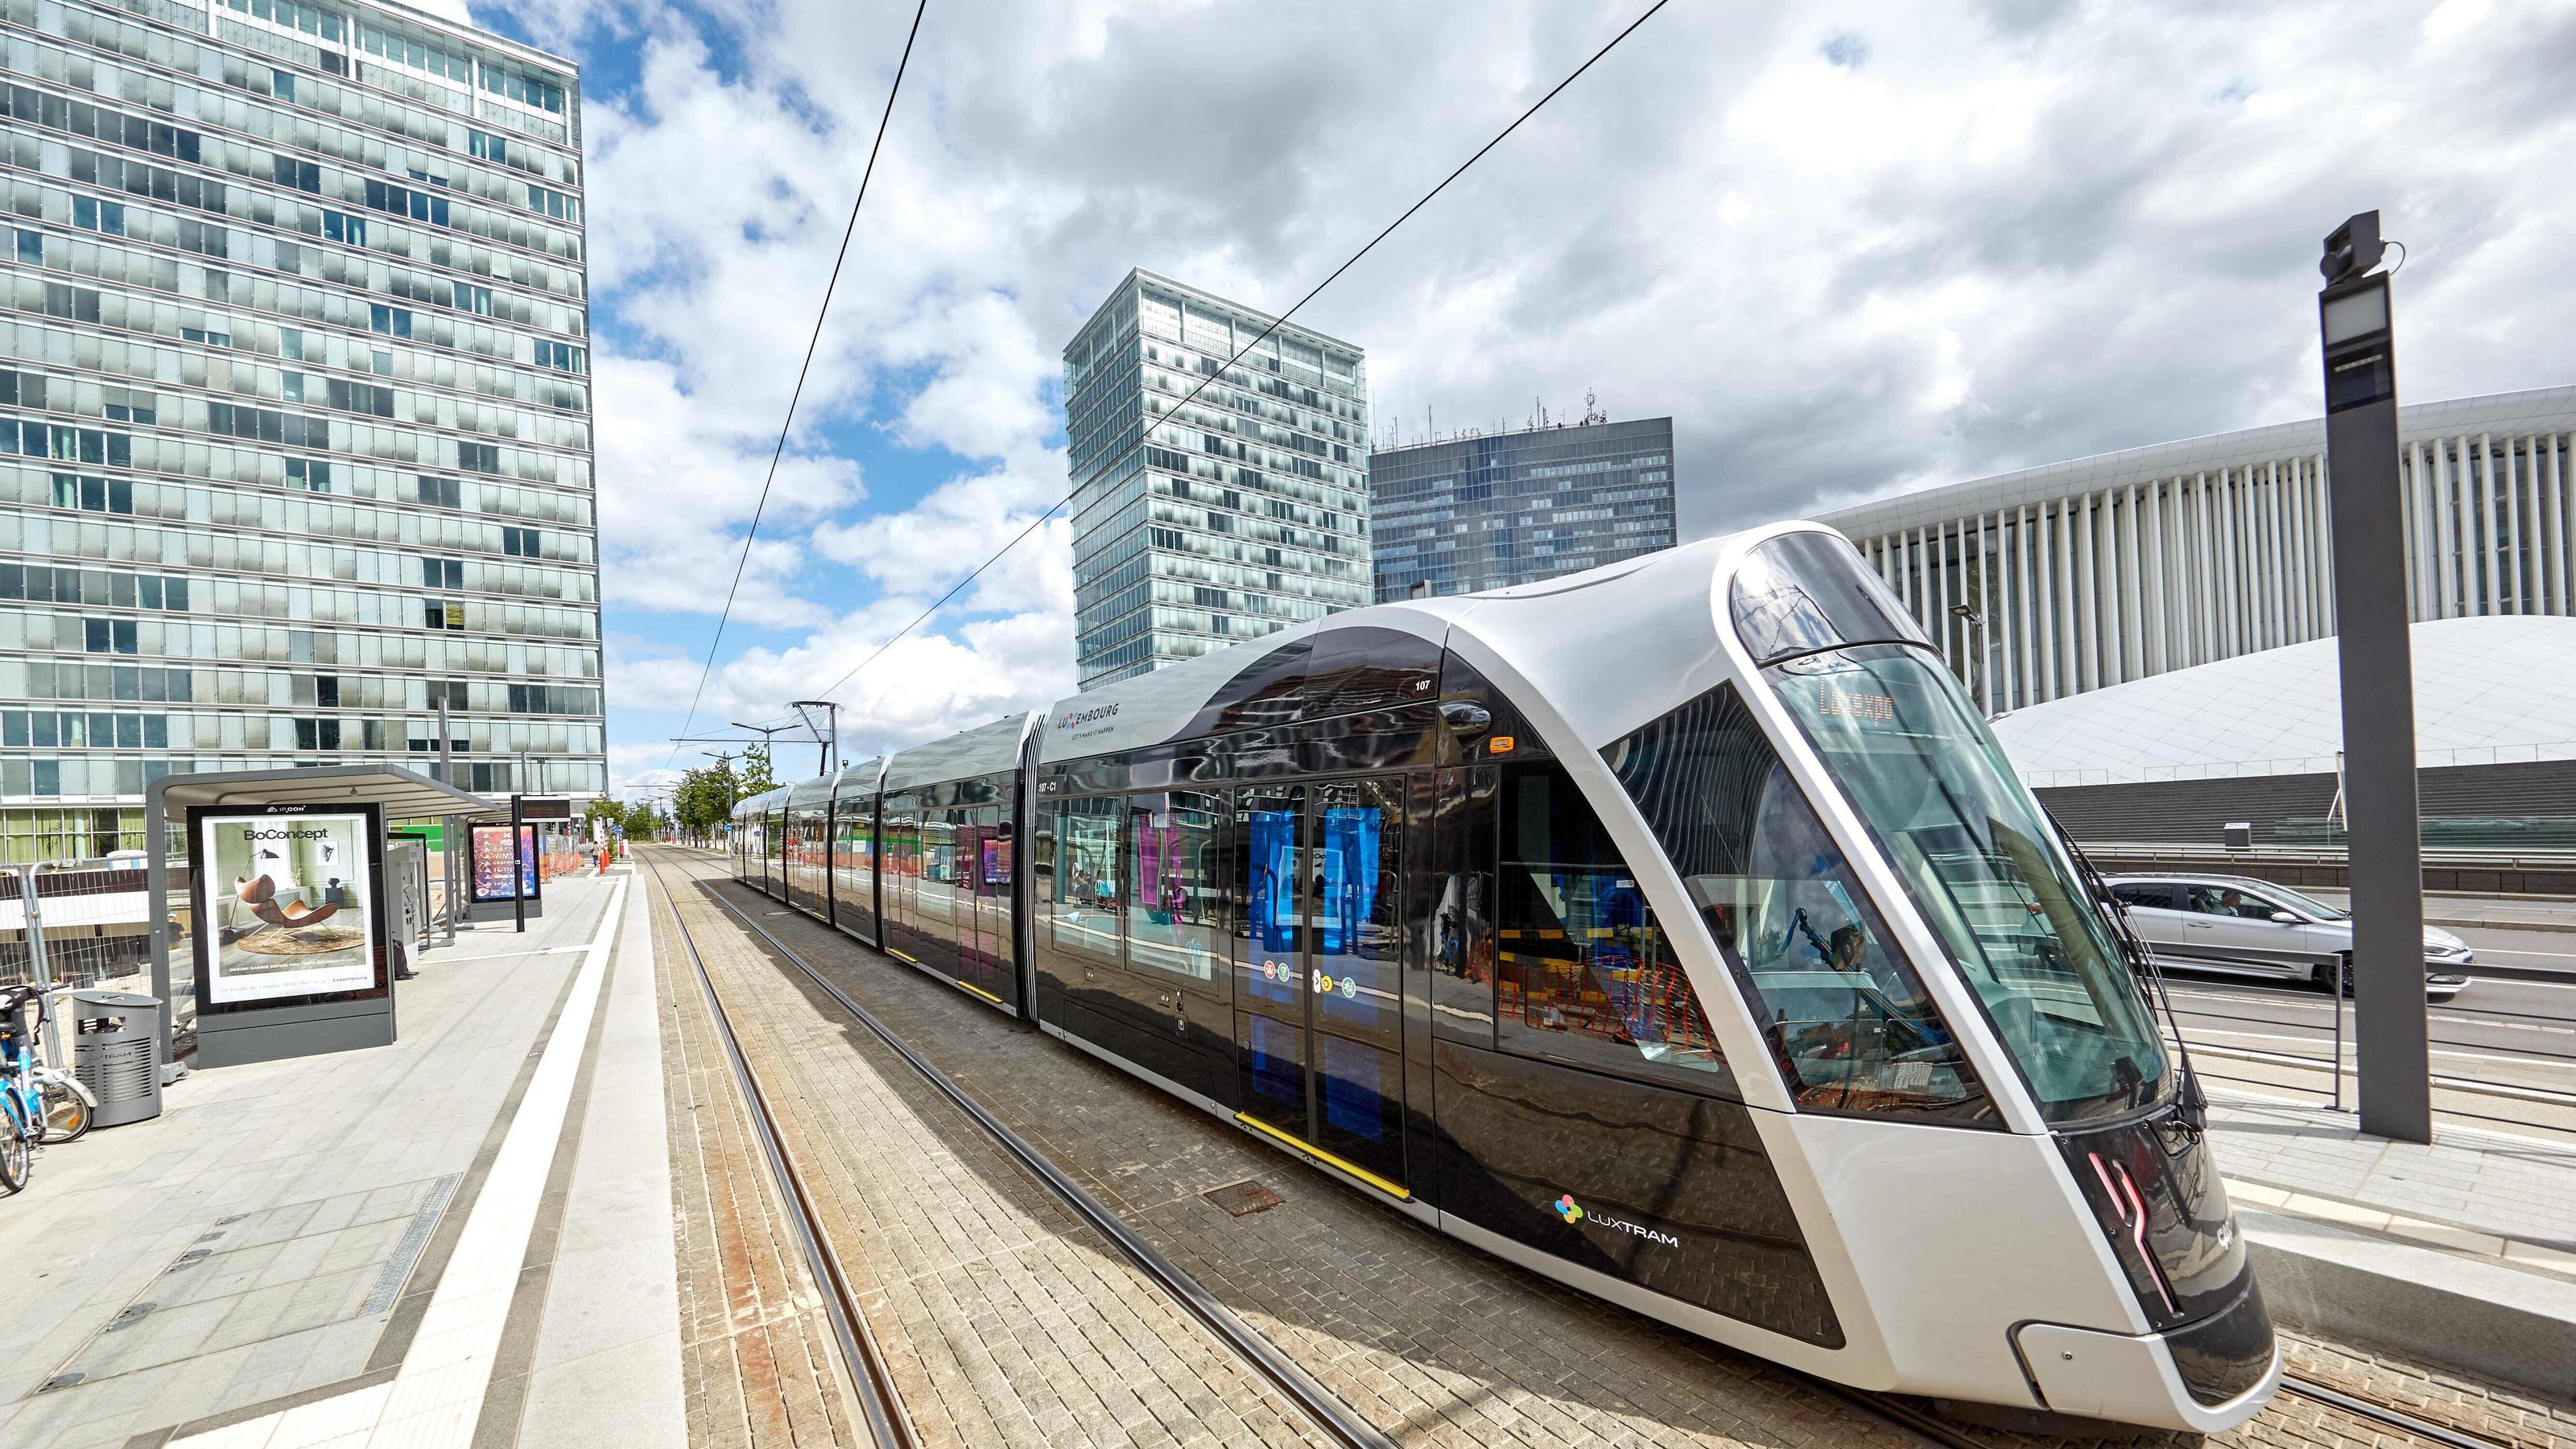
(1318, 1003)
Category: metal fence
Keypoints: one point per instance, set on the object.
(75, 925)
(2246, 1041)
(2501, 1063)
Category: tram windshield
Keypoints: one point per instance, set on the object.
(1983, 866)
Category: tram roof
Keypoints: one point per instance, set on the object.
(1553, 633)
(987, 749)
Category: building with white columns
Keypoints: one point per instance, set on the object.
(2057, 580)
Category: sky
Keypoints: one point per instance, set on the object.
(1850, 249)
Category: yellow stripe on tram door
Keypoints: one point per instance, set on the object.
(1320, 1155)
(980, 991)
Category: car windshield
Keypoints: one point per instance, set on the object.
(1985, 869)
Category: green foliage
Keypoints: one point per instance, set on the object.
(643, 820)
(706, 797)
(756, 777)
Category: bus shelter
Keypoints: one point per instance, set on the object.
(276, 910)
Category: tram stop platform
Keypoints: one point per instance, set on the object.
(2463, 1250)
(463, 1238)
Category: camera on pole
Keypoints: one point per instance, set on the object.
(2375, 651)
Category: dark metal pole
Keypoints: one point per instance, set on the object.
(447, 842)
(518, 869)
(2369, 520)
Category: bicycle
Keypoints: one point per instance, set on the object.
(69, 1105)
(22, 1107)
(41, 1104)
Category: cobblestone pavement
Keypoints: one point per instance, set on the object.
(2449, 1397)
(1004, 1319)
(1435, 1343)
(756, 1350)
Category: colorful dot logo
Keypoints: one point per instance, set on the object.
(1568, 1209)
(1350, 988)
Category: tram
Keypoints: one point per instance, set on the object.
(1675, 930)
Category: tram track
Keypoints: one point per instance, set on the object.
(872, 1381)
(1324, 1409)
(866, 1373)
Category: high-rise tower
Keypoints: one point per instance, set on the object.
(1244, 512)
(295, 406)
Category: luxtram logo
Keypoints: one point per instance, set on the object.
(1080, 717)
(1567, 1208)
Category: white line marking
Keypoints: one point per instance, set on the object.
(436, 1396)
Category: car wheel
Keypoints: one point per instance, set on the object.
(2322, 976)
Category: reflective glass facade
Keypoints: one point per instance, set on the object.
(1200, 527)
(1515, 508)
(295, 437)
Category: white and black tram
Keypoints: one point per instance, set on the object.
(1676, 930)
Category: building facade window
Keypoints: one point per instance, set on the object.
(245, 567)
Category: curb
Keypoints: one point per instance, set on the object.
(2511, 1325)
(2457, 923)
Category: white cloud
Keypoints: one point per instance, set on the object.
(1846, 250)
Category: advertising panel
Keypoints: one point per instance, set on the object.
(289, 893)
(489, 846)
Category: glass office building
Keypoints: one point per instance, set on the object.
(295, 438)
(1199, 527)
(1514, 508)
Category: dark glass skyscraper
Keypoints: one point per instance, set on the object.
(1513, 508)
(295, 429)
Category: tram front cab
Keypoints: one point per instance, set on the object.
(1971, 1108)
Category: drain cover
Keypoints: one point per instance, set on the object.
(1244, 1197)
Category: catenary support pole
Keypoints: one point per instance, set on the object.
(2387, 868)
(518, 867)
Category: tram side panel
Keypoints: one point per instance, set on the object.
(1162, 1004)
(774, 846)
(854, 858)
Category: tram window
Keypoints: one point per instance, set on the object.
(1985, 869)
(1089, 892)
(1845, 1015)
(1808, 591)
(1173, 913)
(1462, 930)
(1583, 972)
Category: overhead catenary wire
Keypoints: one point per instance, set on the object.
(1145, 429)
(812, 342)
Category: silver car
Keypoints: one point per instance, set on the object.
(2256, 928)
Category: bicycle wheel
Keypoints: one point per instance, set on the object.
(16, 1162)
(67, 1115)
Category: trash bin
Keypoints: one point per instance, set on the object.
(116, 1053)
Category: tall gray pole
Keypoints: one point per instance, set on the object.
(2378, 686)
(449, 846)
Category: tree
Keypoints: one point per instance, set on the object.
(706, 797)
(597, 810)
(755, 769)
(642, 821)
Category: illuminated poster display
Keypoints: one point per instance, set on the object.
(290, 895)
(489, 847)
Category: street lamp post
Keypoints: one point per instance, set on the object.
(766, 733)
(2376, 655)
(1967, 614)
